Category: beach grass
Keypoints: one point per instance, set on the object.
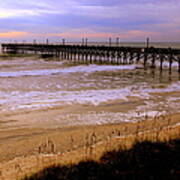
(144, 160)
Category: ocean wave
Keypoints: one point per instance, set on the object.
(74, 69)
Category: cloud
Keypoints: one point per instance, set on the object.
(14, 34)
(16, 13)
(127, 19)
(78, 34)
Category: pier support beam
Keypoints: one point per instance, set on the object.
(161, 62)
(170, 60)
(145, 59)
(138, 57)
(179, 64)
(99, 54)
(153, 60)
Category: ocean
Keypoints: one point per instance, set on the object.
(52, 93)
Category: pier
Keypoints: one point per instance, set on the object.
(99, 54)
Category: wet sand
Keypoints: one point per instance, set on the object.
(26, 141)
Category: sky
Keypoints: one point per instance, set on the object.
(97, 20)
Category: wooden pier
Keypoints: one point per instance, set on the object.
(100, 54)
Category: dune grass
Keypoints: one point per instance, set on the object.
(142, 150)
(144, 160)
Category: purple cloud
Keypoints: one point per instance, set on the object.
(156, 18)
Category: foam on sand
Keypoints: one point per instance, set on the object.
(74, 69)
(39, 99)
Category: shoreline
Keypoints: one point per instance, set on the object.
(26, 141)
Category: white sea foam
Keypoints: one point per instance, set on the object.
(73, 85)
(39, 99)
(23, 62)
(94, 118)
(166, 64)
(172, 87)
(174, 99)
(103, 117)
(93, 97)
(74, 69)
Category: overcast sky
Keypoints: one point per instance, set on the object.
(130, 20)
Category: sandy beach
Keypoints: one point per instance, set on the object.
(90, 87)
(55, 100)
(20, 154)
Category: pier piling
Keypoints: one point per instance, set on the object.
(85, 53)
